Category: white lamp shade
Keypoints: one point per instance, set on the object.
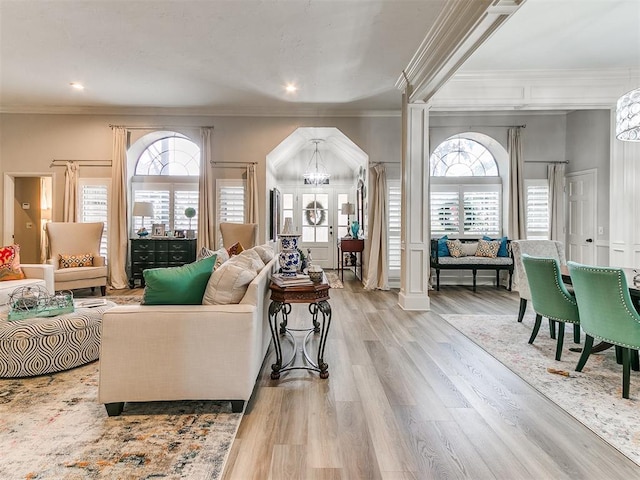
(143, 209)
(628, 116)
(348, 209)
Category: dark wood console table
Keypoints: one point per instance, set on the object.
(355, 246)
(317, 296)
(159, 252)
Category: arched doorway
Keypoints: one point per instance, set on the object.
(316, 209)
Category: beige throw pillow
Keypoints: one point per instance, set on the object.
(228, 284)
(455, 248)
(469, 248)
(247, 259)
(265, 251)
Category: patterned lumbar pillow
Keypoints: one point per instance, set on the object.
(71, 260)
(488, 248)
(10, 263)
(455, 248)
(235, 249)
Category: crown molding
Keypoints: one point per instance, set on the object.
(196, 112)
(459, 30)
(535, 90)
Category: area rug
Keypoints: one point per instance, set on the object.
(593, 396)
(52, 427)
(333, 279)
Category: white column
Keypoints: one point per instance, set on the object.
(414, 264)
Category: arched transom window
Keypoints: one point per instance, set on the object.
(465, 189)
(166, 174)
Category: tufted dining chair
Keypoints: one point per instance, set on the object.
(245, 233)
(82, 241)
(537, 248)
(606, 312)
(550, 297)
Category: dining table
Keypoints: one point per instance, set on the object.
(633, 282)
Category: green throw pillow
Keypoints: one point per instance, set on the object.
(178, 285)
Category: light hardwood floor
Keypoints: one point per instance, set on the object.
(409, 397)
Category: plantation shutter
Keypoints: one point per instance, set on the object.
(94, 204)
(481, 212)
(184, 199)
(393, 227)
(537, 210)
(230, 202)
(445, 206)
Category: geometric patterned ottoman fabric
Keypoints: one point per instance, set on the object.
(37, 346)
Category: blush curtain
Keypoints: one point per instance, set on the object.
(555, 176)
(517, 227)
(252, 195)
(118, 243)
(70, 213)
(378, 269)
(206, 192)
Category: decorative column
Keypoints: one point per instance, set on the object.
(414, 235)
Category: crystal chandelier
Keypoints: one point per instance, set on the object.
(316, 173)
(628, 116)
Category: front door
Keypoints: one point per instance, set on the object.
(581, 188)
(317, 218)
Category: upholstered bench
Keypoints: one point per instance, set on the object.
(37, 346)
(471, 262)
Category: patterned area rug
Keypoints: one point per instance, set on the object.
(333, 279)
(52, 427)
(593, 396)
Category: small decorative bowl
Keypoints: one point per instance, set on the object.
(316, 277)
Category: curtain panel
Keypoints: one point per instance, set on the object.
(378, 267)
(70, 206)
(555, 175)
(517, 225)
(118, 243)
(206, 192)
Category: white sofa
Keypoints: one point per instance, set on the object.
(190, 352)
(36, 275)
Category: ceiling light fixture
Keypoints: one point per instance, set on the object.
(291, 88)
(628, 116)
(316, 173)
(77, 86)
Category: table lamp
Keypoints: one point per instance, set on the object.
(142, 209)
(348, 209)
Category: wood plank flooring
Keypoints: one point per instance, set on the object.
(409, 397)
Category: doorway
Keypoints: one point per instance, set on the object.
(581, 188)
(316, 216)
(27, 208)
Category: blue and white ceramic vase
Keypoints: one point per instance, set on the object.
(289, 256)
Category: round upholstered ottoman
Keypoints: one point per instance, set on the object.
(36, 346)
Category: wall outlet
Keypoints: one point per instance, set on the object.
(600, 230)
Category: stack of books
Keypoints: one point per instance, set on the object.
(299, 280)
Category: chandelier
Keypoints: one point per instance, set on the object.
(316, 173)
(628, 116)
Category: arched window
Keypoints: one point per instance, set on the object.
(466, 189)
(166, 174)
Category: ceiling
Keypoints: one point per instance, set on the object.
(237, 56)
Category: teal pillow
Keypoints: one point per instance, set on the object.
(183, 285)
(502, 251)
(443, 249)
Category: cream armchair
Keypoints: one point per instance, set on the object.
(77, 239)
(536, 248)
(245, 233)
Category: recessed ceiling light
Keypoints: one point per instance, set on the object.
(77, 86)
(291, 88)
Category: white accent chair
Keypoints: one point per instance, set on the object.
(535, 248)
(35, 275)
(77, 238)
(245, 233)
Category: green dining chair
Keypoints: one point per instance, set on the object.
(606, 312)
(549, 297)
